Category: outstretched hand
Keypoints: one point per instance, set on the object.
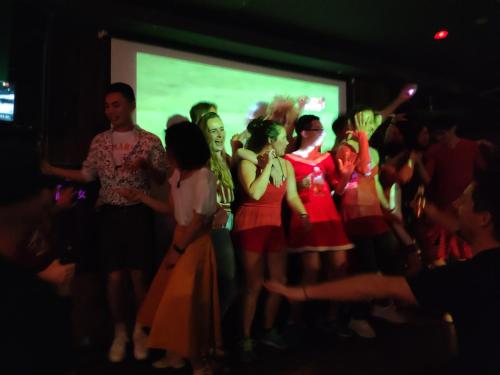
(294, 294)
(347, 166)
(57, 273)
(407, 92)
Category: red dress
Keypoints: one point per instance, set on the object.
(327, 230)
(257, 223)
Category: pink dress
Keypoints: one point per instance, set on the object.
(327, 230)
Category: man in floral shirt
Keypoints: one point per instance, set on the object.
(123, 157)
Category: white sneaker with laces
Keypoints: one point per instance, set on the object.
(169, 361)
(362, 328)
(388, 313)
(118, 348)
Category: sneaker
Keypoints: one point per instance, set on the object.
(388, 313)
(118, 349)
(170, 360)
(362, 328)
(246, 350)
(141, 351)
(273, 339)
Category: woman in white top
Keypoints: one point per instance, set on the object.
(182, 306)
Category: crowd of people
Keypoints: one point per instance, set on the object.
(386, 215)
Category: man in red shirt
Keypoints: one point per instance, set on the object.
(450, 166)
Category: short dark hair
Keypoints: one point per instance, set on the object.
(126, 90)
(199, 109)
(187, 144)
(339, 125)
(485, 195)
(260, 131)
(304, 122)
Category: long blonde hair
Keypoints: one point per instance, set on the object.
(219, 166)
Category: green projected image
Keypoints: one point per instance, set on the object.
(167, 86)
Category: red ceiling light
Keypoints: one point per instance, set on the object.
(442, 34)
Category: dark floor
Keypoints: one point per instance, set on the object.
(425, 342)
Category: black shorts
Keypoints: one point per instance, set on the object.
(125, 237)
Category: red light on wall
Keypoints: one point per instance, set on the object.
(441, 35)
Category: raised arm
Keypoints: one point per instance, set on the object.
(68, 174)
(404, 95)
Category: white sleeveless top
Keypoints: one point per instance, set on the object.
(196, 193)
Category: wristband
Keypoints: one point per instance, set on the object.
(178, 249)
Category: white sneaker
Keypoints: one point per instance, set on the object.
(141, 351)
(388, 313)
(118, 348)
(169, 360)
(362, 328)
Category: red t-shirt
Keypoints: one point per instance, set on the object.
(451, 170)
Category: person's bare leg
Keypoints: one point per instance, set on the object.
(311, 264)
(253, 268)
(115, 301)
(141, 351)
(276, 263)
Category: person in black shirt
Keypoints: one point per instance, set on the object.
(469, 290)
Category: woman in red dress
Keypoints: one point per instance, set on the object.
(258, 230)
(317, 179)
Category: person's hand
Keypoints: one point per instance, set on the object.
(45, 167)
(294, 294)
(220, 219)
(66, 197)
(266, 158)
(306, 182)
(132, 195)
(407, 92)
(57, 273)
(419, 203)
(348, 165)
(305, 223)
(171, 258)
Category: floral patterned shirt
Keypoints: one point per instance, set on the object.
(100, 164)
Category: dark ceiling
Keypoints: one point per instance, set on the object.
(385, 37)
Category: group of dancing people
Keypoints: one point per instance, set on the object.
(345, 212)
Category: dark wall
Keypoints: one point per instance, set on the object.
(60, 68)
(5, 33)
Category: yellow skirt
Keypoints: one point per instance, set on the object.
(182, 304)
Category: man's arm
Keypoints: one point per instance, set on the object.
(357, 288)
(69, 174)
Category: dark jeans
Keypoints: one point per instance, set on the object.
(226, 268)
